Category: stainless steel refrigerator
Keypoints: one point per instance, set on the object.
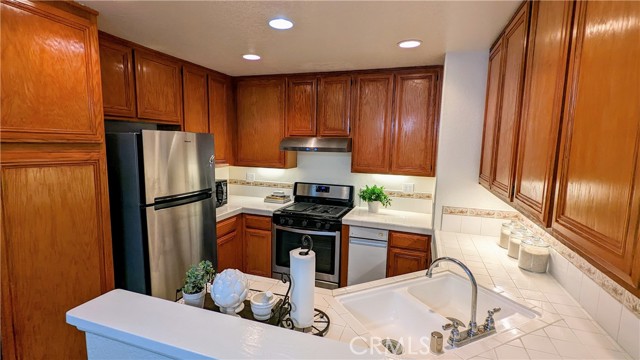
(162, 207)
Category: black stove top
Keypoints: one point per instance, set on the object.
(316, 210)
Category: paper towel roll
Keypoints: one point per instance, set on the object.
(303, 279)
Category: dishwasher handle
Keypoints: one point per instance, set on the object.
(365, 242)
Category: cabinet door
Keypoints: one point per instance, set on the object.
(230, 252)
(158, 88)
(301, 106)
(56, 248)
(415, 127)
(598, 200)
(50, 75)
(514, 47)
(542, 106)
(219, 125)
(401, 261)
(196, 100)
(257, 252)
(116, 69)
(260, 124)
(491, 113)
(334, 105)
(372, 124)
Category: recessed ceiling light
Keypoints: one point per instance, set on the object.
(252, 57)
(406, 44)
(281, 24)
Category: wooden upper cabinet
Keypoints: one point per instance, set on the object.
(301, 106)
(598, 199)
(219, 117)
(514, 43)
(261, 124)
(334, 106)
(542, 106)
(50, 90)
(118, 87)
(415, 124)
(491, 113)
(158, 88)
(196, 99)
(372, 123)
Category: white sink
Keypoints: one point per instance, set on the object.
(408, 311)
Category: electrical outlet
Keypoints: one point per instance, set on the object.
(251, 177)
(407, 188)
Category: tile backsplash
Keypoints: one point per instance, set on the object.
(613, 307)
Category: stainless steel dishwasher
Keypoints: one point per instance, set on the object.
(367, 254)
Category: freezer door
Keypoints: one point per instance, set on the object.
(176, 163)
(179, 236)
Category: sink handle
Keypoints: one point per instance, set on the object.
(454, 337)
(455, 323)
(493, 311)
(490, 323)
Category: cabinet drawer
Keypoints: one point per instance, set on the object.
(226, 226)
(409, 241)
(258, 222)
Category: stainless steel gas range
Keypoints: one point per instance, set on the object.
(317, 211)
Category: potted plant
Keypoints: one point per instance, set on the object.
(195, 283)
(374, 196)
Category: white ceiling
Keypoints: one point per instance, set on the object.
(327, 35)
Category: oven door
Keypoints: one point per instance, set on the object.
(326, 245)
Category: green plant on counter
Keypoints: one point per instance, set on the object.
(198, 276)
(374, 193)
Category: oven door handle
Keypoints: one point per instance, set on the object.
(309, 232)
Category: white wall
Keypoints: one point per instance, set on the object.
(460, 137)
(335, 168)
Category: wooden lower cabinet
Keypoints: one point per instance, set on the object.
(55, 247)
(257, 245)
(229, 240)
(407, 253)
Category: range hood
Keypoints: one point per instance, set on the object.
(315, 144)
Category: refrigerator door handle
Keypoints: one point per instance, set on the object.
(171, 201)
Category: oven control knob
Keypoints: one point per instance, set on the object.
(282, 221)
(290, 222)
(304, 222)
(318, 224)
(327, 226)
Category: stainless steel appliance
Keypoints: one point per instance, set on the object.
(163, 215)
(367, 254)
(317, 211)
(221, 193)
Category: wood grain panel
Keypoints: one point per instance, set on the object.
(514, 47)
(227, 226)
(230, 251)
(116, 69)
(401, 261)
(65, 194)
(195, 99)
(260, 124)
(50, 75)
(344, 255)
(415, 127)
(598, 197)
(334, 105)
(257, 252)
(257, 222)
(372, 123)
(409, 241)
(219, 96)
(542, 107)
(491, 113)
(301, 106)
(158, 88)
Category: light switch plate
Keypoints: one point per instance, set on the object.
(407, 188)
(251, 177)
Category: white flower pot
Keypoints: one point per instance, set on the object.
(374, 206)
(196, 300)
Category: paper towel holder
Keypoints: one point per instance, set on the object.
(307, 243)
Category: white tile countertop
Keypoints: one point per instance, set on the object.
(407, 221)
(237, 204)
(564, 330)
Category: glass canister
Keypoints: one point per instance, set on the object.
(505, 231)
(533, 255)
(515, 238)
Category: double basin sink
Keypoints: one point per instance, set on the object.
(408, 311)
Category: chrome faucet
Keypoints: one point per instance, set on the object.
(473, 326)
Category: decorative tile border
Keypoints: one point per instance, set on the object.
(483, 213)
(618, 292)
(404, 195)
(269, 184)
